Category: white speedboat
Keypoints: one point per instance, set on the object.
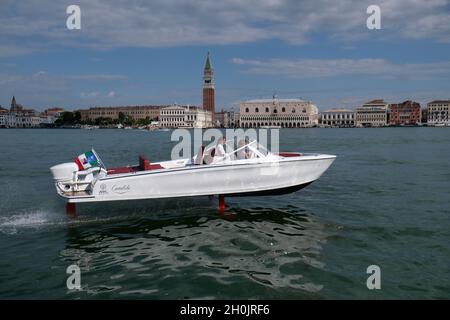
(246, 171)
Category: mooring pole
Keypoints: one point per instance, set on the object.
(71, 210)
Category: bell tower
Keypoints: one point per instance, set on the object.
(208, 88)
(13, 104)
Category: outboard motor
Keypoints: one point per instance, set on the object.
(64, 173)
(69, 178)
(79, 175)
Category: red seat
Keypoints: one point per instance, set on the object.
(121, 170)
(289, 154)
(144, 164)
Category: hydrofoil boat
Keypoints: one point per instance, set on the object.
(248, 170)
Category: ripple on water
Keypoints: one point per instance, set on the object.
(264, 247)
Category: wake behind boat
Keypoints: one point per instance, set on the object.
(259, 172)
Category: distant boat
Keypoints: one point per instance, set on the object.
(164, 129)
(128, 128)
(87, 127)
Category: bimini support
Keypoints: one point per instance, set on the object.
(71, 210)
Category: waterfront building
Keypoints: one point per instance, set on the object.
(424, 115)
(19, 117)
(405, 113)
(185, 117)
(14, 120)
(49, 116)
(227, 119)
(286, 113)
(53, 112)
(3, 117)
(338, 117)
(135, 112)
(209, 88)
(18, 109)
(15, 107)
(372, 114)
(438, 113)
(235, 120)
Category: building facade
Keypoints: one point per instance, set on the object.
(227, 119)
(3, 117)
(338, 117)
(286, 113)
(424, 115)
(185, 117)
(438, 113)
(19, 117)
(372, 114)
(405, 113)
(209, 88)
(135, 112)
(3, 120)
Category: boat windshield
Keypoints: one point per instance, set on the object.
(243, 151)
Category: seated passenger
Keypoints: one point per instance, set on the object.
(241, 154)
(200, 159)
(209, 156)
(220, 150)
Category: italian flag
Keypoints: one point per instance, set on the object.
(87, 160)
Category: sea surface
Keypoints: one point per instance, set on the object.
(385, 201)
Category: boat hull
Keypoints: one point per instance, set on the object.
(246, 179)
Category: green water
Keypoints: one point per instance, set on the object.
(384, 201)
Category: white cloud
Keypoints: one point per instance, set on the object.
(159, 23)
(89, 95)
(319, 68)
(42, 88)
(96, 77)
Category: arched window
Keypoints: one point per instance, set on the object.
(275, 111)
(293, 110)
(246, 110)
(256, 109)
(267, 109)
(283, 109)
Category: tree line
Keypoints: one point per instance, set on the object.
(68, 118)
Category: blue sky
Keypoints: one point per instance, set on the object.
(152, 52)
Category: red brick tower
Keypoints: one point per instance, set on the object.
(208, 89)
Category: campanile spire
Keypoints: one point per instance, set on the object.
(208, 87)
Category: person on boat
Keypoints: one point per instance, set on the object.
(220, 150)
(200, 159)
(241, 153)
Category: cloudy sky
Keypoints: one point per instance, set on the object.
(152, 52)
